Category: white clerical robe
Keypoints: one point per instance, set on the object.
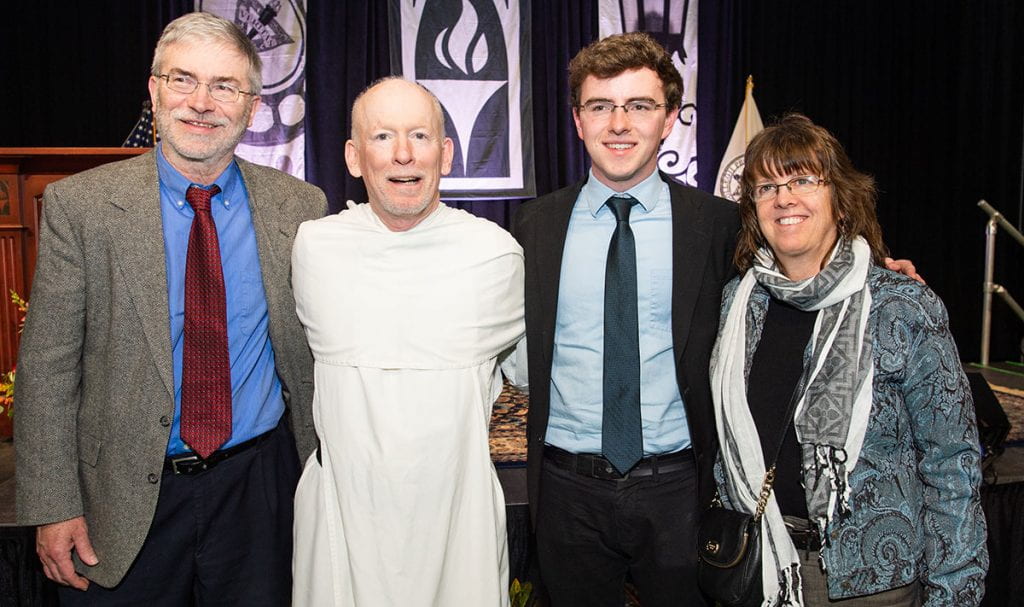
(406, 329)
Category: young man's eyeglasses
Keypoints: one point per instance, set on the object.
(636, 109)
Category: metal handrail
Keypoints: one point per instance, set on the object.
(996, 219)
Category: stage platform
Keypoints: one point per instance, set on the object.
(1007, 382)
(1006, 375)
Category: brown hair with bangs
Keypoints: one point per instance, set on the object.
(609, 57)
(795, 145)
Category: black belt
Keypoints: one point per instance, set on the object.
(190, 463)
(596, 466)
(804, 537)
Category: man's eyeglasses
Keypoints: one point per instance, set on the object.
(220, 91)
(798, 186)
(636, 109)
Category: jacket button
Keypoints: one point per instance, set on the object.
(152, 478)
(165, 421)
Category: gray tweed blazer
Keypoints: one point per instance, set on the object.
(95, 382)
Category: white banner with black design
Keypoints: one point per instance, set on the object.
(673, 23)
(474, 56)
(747, 125)
(278, 29)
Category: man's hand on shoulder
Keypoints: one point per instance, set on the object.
(905, 267)
(54, 543)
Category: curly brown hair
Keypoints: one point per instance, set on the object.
(609, 57)
(794, 144)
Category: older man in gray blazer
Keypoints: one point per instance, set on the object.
(162, 354)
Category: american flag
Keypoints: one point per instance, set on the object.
(143, 134)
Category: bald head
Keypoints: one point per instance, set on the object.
(400, 87)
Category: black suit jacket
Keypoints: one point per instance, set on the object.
(703, 238)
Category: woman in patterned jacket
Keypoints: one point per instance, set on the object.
(876, 491)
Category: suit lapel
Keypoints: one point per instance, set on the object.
(548, 261)
(691, 240)
(136, 231)
(274, 235)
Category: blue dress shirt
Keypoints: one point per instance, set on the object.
(576, 373)
(256, 400)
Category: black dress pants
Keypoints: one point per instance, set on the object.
(592, 532)
(220, 537)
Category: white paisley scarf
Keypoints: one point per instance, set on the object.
(832, 411)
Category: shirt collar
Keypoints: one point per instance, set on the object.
(647, 192)
(175, 184)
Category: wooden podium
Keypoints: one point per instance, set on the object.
(24, 174)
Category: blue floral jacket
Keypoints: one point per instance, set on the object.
(915, 507)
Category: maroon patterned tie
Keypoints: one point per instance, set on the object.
(206, 374)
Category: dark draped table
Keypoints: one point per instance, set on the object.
(1004, 511)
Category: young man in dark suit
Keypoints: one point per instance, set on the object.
(620, 428)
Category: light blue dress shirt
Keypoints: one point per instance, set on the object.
(574, 423)
(256, 400)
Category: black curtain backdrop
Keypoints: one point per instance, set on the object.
(718, 98)
(928, 96)
(347, 49)
(74, 73)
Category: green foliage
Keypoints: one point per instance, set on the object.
(520, 593)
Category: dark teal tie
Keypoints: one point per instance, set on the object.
(621, 436)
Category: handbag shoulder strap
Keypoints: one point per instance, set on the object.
(769, 475)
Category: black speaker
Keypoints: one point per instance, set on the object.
(993, 425)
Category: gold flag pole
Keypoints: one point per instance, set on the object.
(749, 129)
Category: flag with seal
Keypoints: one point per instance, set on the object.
(747, 125)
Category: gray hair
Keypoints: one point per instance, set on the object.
(438, 110)
(206, 27)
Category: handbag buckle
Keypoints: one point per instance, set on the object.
(712, 547)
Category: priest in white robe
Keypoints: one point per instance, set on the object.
(408, 305)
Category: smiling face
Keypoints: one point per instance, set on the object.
(800, 230)
(400, 151)
(623, 148)
(199, 133)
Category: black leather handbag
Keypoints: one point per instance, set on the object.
(729, 550)
(729, 546)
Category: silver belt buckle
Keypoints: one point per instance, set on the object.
(183, 459)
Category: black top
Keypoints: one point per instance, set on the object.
(774, 373)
